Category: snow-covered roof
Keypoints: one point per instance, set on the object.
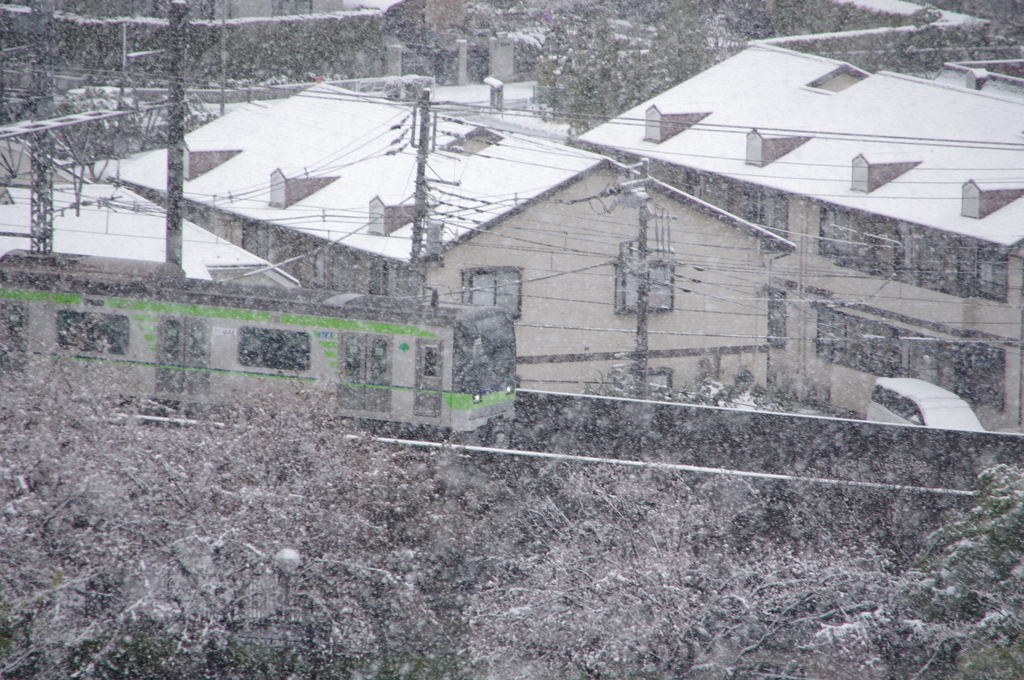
(364, 143)
(114, 222)
(957, 135)
(903, 8)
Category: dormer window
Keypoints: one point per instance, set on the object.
(762, 149)
(839, 79)
(201, 162)
(287, 191)
(385, 219)
(981, 199)
(662, 126)
(868, 175)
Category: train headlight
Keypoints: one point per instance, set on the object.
(509, 389)
(477, 398)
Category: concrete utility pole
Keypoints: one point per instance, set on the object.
(178, 37)
(643, 289)
(639, 198)
(42, 142)
(223, 53)
(421, 209)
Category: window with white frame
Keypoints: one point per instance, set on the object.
(498, 287)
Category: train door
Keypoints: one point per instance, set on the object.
(183, 357)
(429, 372)
(365, 373)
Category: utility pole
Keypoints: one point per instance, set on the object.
(643, 289)
(223, 53)
(178, 36)
(421, 209)
(42, 142)
(637, 196)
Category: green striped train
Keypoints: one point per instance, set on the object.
(128, 329)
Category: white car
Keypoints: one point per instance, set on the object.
(908, 401)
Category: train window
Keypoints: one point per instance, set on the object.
(428, 378)
(272, 348)
(93, 332)
(379, 362)
(353, 359)
(431, 362)
(13, 344)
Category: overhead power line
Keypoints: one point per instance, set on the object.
(675, 467)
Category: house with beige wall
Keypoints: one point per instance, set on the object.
(322, 184)
(563, 266)
(903, 199)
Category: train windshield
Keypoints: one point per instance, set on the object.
(485, 354)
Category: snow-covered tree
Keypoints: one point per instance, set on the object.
(972, 589)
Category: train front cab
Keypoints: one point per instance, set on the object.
(484, 370)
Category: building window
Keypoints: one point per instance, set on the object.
(767, 208)
(660, 297)
(393, 279)
(715, 190)
(288, 7)
(879, 246)
(92, 332)
(272, 348)
(659, 379)
(975, 370)
(992, 274)
(837, 238)
(494, 288)
(776, 318)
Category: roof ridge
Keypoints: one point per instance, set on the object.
(953, 88)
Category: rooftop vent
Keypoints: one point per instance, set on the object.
(868, 175)
(839, 79)
(662, 126)
(474, 141)
(201, 162)
(287, 191)
(981, 199)
(385, 219)
(763, 149)
(975, 78)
